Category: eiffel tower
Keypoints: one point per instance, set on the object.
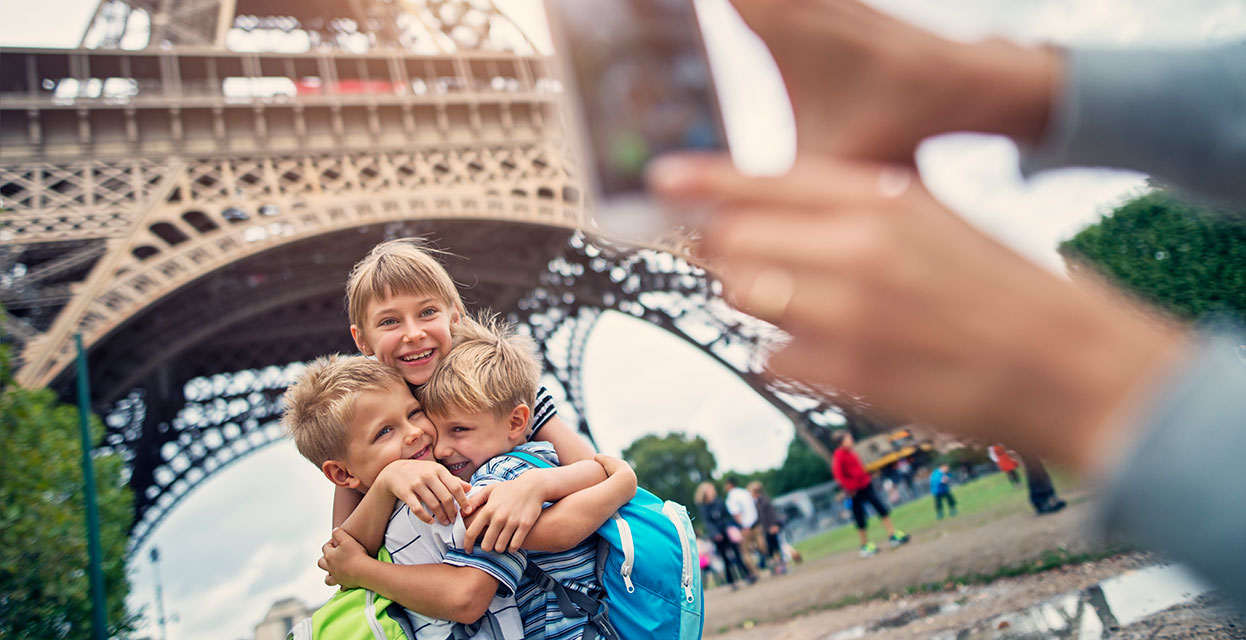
(188, 188)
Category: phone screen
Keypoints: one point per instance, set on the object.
(639, 83)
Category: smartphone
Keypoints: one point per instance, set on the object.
(638, 84)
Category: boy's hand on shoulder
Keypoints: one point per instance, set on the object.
(340, 558)
(505, 512)
(427, 488)
(614, 466)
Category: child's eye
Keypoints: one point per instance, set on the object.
(383, 431)
(386, 321)
(414, 413)
(428, 312)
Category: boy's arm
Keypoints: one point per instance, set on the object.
(415, 482)
(504, 512)
(461, 594)
(578, 515)
(344, 502)
(570, 445)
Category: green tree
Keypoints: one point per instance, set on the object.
(43, 546)
(671, 466)
(1188, 260)
(803, 467)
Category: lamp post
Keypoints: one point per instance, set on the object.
(155, 568)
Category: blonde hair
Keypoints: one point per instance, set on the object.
(402, 266)
(489, 369)
(321, 403)
(703, 492)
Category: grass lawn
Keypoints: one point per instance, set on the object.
(979, 501)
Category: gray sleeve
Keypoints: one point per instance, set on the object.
(1179, 115)
(1181, 488)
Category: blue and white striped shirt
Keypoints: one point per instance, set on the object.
(574, 568)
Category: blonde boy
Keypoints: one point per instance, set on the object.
(480, 400)
(355, 419)
(404, 310)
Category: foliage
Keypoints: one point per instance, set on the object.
(960, 455)
(43, 547)
(671, 466)
(1189, 260)
(802, 468)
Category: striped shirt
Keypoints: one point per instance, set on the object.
(412, 541)
(574, 568)
(542, 411)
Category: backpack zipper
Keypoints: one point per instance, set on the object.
(671, 511)
(629, 552)
(369, 612)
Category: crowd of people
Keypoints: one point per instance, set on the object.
(743, 528)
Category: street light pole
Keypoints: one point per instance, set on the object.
(99, 615)
(155, 567)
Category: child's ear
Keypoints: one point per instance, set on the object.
(357, 334)
(338, 474)
(517, 424)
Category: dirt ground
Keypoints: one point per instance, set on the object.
(797, 605)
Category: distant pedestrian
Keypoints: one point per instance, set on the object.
(941, 489)
(1005, 462)
(856, 483)
(718, 524)
(1042, 493)
(905, 469)
(771, 525)
(705, 554)
(743, 509)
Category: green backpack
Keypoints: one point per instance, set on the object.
(356, 614)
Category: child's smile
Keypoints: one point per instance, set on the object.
(410, 332)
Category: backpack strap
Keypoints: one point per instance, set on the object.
(573, 603)
(534, 460)
(576, 604)
(487, 622)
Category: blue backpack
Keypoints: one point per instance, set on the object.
(655, 597)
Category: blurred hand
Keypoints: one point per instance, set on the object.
(339, 558)
(425, 485)
(867, 85)
(889, 295)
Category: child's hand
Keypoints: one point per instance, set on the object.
(419, 483)
(613, 465)
(339, 558)
(505, 512)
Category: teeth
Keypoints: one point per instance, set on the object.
(417, 356)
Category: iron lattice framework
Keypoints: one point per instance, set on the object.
(192, 210)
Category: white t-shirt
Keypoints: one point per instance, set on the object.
(411, 541)
(742, 507)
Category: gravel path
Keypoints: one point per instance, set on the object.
(796, 605)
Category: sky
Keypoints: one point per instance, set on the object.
(251, 534)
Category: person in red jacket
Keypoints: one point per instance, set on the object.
(1005, 462)
(856, 482)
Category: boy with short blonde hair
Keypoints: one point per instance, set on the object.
(355, 419)
(479, 398)
(404, 310)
